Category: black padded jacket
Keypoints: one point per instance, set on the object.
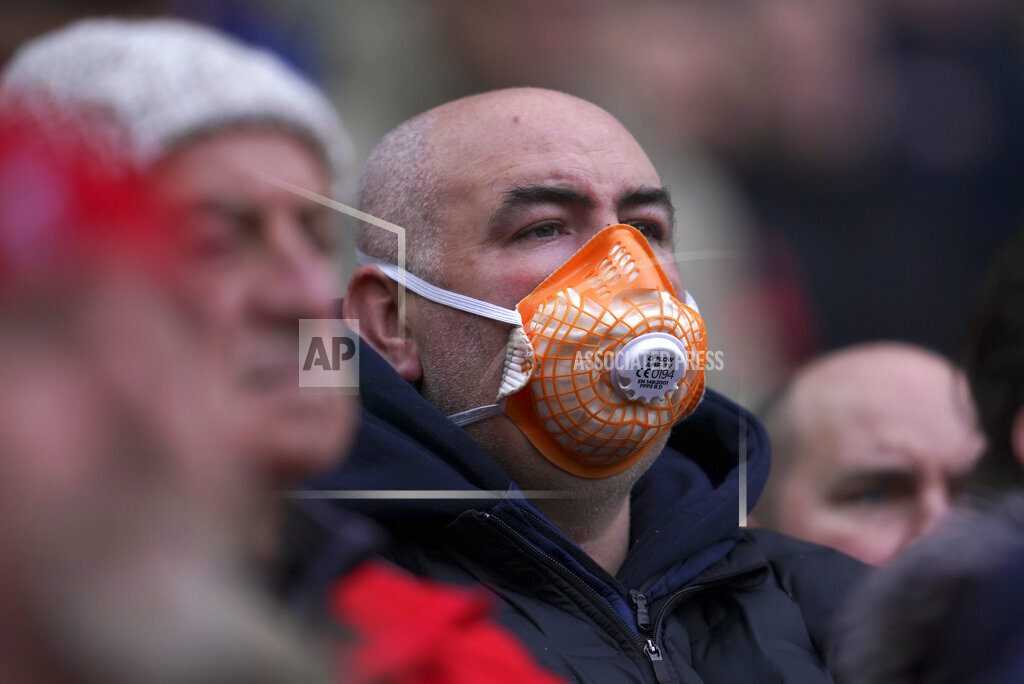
(698, 598)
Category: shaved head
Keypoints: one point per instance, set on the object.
(399, 185)
(861, 438)
(416, 171)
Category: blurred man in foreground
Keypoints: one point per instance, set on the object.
(213, 122)
(872, 445)
(205, 119)
(562, 480)
(121, 509)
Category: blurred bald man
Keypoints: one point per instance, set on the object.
(871, 445)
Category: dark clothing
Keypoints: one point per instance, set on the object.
(322, 544)
(697, 599)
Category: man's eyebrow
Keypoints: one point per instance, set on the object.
(524, 196)
(646, 196)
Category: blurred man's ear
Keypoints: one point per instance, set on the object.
(372, 300)
(1017, 436)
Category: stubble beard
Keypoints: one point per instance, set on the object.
(462, 357)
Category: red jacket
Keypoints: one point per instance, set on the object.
(412, 631)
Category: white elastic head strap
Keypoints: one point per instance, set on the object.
(463, 303)
(440, 295)
(456, 300)
(690, 301)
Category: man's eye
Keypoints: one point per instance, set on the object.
(651, 231)
(213, 236)
(322, 231)
(871, 497)
(541, 231)
(873, 494)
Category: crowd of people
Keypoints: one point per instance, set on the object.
(495, 504)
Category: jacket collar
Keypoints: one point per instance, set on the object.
(686, 504)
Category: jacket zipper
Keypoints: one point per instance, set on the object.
(647, 647)
(643, 617)
(643, 621)
(637, 598)
(650, 646)
(675, 598)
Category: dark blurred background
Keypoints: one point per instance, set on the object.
(844, 170)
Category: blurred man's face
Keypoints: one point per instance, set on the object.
(524, 184)
(125, 505)
(261, 258)
(873, 473)
(111, 401)
(118, 500)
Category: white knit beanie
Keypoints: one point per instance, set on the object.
(164, 80)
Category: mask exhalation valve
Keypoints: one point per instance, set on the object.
(649, 367)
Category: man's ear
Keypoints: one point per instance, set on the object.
(1017, 436)
(372, 300)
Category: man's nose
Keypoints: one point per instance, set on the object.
(666, 259)
(935, 505)
(299, 280)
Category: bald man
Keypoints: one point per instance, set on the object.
(871, 445)
(637, 572)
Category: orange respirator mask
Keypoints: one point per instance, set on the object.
(602, 359)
